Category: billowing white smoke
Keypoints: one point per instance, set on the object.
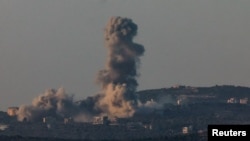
(118, 79)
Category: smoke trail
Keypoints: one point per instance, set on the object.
(54, 103)
(118, 79)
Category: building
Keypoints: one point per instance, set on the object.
(101, 120)
(232, 100)
(49, 121)
(244, 100)
(187, 129)
(68, 120)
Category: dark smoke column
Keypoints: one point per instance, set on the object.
(118, 79)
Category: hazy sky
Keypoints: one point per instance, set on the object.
(52, 43)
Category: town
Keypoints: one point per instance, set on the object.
(180, 111)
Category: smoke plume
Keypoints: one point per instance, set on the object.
(118, 79)
(118, 82)
(54, 103)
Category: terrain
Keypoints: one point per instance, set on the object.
(176, 113)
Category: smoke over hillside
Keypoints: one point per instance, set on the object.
(53, 103)
(118, 81)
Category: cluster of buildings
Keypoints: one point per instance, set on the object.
(97, 120)
(154, 125)
(236, 100)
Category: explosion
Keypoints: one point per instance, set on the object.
(118, 79)
(118, 82)
(54, 103)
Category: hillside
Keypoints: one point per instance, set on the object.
(176, 109)
(211, 94)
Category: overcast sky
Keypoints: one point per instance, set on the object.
(52, 43)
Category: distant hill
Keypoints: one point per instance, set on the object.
(216, 93)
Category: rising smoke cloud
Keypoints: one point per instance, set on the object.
(54, 103)
(118, 79)
(118, 82)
